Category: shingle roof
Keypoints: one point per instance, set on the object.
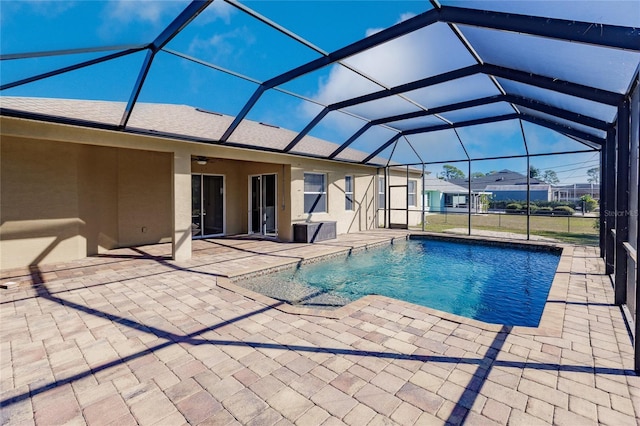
(503, 177)
(440, 185)
(180, 120)
(538, 187)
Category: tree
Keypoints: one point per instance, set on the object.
(594, 175)
(534, 172)
(452, 172)
(550, 177)
(477, 174)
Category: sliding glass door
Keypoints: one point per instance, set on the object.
(262, 205)
(207, 205)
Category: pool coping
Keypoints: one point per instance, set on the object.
(551, 321)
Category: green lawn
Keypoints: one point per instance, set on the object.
(570, 229)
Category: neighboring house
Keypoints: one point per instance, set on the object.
(71, 191)
(442, 196)
(508, 185)
(573, 192)
(537, 192)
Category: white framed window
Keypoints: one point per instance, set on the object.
(348, 192)
(382, 199)
(412, 189)
(315, 193)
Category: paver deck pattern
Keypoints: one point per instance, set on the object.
(132, 337)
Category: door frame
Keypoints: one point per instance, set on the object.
(249, 203)
(224, 204)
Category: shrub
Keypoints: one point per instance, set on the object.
(500, 205)
(589, 203)
(514, 206)
(553, 204)
(546, 211)
(563, 210)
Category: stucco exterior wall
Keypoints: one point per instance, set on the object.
(290, 192)
(68, 192)
(363, 214)
(63, 201)
(144, 197)
(39, 223)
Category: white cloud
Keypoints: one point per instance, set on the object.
(137, 20)
(51, 8)
(46, 8)
(217, 10)
(143, 20)
(403, 17)
(157, 12)
(146, 11)
(342, 83)
(221, 48)
(392, 59)
(398, 61)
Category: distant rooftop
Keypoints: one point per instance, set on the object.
(500, 178)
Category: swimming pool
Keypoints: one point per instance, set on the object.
(490, 283)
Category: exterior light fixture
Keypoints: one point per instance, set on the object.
(201, 160)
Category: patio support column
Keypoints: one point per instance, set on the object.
(407, 197)
(634, 209)
(526, 148)
(601, 203)
(387, 197)
(422, 191)
(622, 203)
(528, 197)
(181, 242)
(469, 200)
(609, 199)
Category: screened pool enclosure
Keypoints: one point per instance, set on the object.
(393, 85)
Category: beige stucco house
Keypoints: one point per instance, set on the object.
(69, 191)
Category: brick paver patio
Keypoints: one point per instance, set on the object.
(132, 337)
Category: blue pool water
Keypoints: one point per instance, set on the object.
(494, 284)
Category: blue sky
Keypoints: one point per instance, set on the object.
(230, 39)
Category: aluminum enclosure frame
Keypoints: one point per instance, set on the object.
(614, 148)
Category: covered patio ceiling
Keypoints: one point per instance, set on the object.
(422, 82)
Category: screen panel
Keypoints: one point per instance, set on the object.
(560, 100)
(593, 66)
(409, 58)
(451, 92)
